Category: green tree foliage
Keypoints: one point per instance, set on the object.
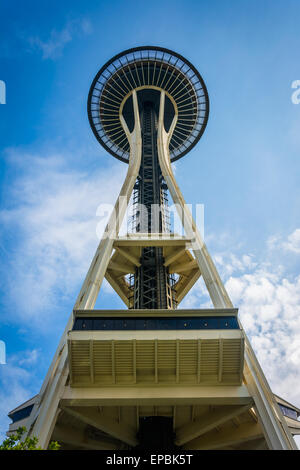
(14, 442)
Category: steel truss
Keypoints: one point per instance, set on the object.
(152, 283)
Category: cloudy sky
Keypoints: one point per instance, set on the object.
(54, 175)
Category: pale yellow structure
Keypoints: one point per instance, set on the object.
(208, 381)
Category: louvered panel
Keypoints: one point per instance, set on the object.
(145, 354)
(124, 357)
(81, 358)
(145, 361)
(207, 360)
(232, 352)
(166, 361)
(209, 357)
(102, 351)
(188, 357)
(166, 354)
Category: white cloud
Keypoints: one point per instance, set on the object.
(290, 244)
(52, 47)
(293, 242)
(29, 358)
(53, 217)
(230, 263)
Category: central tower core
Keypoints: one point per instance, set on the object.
(152, 283)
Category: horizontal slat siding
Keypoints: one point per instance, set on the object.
(176, 361)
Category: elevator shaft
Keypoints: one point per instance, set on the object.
(152, 281)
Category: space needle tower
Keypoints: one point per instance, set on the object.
(154, 375)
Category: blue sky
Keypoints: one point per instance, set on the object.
(53, 173)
